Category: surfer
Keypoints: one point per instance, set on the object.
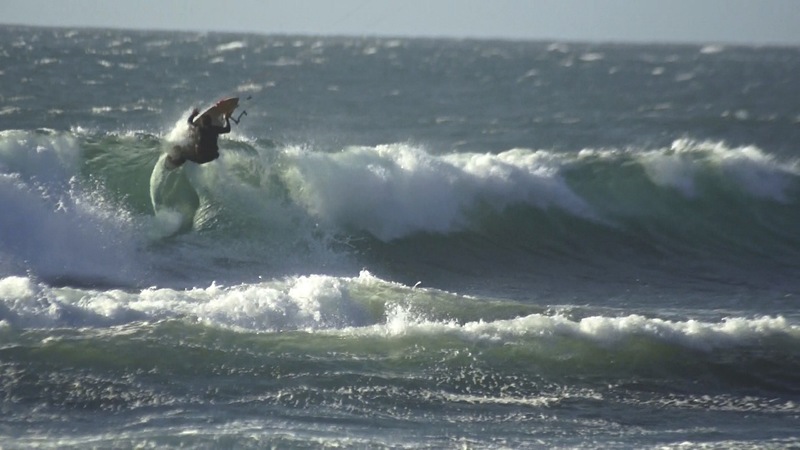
(205, 148)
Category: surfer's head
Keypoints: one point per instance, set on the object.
(206, 121)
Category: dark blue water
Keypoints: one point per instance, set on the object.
(405, 243)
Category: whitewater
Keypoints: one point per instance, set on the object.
(406, 243)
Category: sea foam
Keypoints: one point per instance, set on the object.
(50, 222)
(362, 306)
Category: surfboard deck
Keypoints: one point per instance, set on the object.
(218, 111)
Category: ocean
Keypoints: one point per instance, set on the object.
(406, 243)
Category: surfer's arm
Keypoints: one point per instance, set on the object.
(227, 127)
(194, 114)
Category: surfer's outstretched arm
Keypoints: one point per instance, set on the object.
(194, 114)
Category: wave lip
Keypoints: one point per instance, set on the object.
(684, 164)
(392, 191)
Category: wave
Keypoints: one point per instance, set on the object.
(78, 210)
(393, 191)
(81, 198)
(364, 314)
(51, 222)
(366, 306)
(694, 201)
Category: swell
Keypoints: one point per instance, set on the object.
(405, 205)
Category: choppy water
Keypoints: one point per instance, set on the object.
(405, 243)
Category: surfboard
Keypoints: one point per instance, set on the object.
(175, 200)
(218, 111)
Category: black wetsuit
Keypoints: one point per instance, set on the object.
(206, 148)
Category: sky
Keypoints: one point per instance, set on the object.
(755, 22)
